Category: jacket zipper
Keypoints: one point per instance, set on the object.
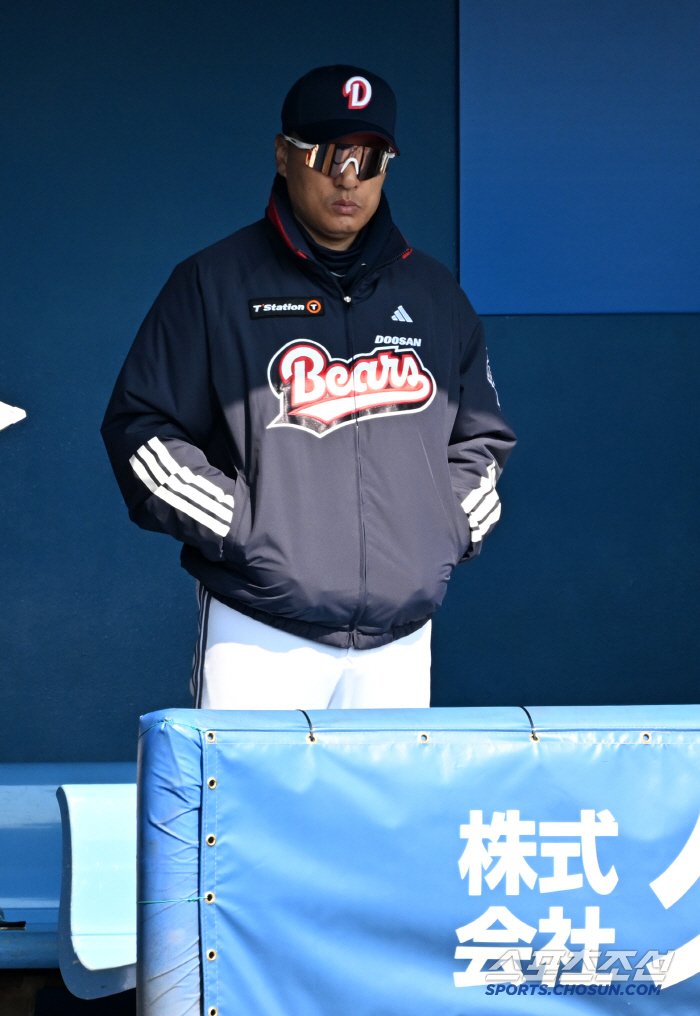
(362, 597)
(347, 301)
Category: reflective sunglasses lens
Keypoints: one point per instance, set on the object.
(332, 160)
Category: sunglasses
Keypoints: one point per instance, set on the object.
(333, 158)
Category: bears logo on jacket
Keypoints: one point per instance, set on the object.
(320, 394)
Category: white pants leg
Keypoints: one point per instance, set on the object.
(396, 676)
(241, 663)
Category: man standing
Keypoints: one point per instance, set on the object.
(308, 408)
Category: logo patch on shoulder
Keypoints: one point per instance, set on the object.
(319, 394)
(285, 306)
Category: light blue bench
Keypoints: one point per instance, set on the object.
(30, 857)
(97, 916)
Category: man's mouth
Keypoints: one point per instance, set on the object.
(345, 207)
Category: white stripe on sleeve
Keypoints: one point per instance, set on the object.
(487, 524)
(193, 493)
(472, 499)
(482, 505)
(486, 484)
(175, 468)
(189, 509)
(169, 488)
(143, 474)
(211, 488)
(483, 509)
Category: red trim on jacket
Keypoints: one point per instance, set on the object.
(273, 216)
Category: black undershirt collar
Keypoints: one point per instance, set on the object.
(339, 262)
(347, 266)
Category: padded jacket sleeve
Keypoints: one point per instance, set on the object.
(481, 438)
(160, 417)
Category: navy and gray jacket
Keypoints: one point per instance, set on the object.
(325, 457)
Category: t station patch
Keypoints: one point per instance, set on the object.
(285, 306)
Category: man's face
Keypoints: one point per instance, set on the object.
(333, 210)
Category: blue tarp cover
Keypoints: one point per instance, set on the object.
(420, 861)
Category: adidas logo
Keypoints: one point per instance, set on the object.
(401, 315)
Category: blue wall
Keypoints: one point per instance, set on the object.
(580, 155)
(579, 158)
(587, 592)
(134, 134)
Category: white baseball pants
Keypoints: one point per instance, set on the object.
(240, 663)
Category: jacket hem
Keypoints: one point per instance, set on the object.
(319, 632)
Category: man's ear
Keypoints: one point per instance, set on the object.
(281, 154)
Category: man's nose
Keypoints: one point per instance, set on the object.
(348, 178)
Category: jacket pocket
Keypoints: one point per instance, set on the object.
(463, 528)
(457, 521)
(241, 522)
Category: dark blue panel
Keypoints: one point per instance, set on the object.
(580, 152)
(588, 589)
(134, 134)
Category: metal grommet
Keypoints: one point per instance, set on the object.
(646, 737)
(211, 840)
(311, 738)
(212, 1011)
(209, 897)
(210, 736)
(211, 782)
(533, 733)
(211, 954)
(424, 738)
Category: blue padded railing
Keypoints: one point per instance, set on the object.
(442, 861)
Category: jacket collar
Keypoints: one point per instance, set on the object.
(384, 242)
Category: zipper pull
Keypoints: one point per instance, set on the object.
(348, 299)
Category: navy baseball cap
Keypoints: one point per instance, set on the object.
(331, 102)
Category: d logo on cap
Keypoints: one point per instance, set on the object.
(359, 92)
